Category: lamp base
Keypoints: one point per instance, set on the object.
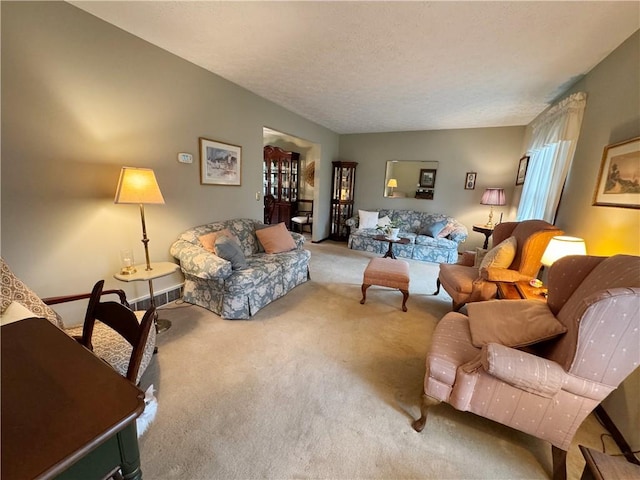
(162, 324)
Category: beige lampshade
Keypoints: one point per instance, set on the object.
(138, 185)
(393, 183)
(561, 246)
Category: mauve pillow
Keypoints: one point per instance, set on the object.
(276, 239)
(512, 323)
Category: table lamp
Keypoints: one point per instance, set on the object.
(392, 183)
(561, 246)
(492, 196)
(139, 185)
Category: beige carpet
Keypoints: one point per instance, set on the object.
(318, 386)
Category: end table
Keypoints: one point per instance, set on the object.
(487, 231)
(158, 269)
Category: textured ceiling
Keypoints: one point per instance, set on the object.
(358, 67)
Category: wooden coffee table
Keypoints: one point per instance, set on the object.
(391, 241)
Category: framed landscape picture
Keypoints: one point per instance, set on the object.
(522, 170)
(220, 163)
(619, 179)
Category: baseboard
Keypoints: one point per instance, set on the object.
(161, 298)
(623, 445)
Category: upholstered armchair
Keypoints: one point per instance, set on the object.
(467, 281)
(541, 367)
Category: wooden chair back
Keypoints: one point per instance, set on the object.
(121, 319)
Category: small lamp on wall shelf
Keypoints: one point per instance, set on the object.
(493, 196)
(392, 183)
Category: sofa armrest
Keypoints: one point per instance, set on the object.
(198, 262)
(468, 258)
(298, 238)
(352, 222)
(523, 370)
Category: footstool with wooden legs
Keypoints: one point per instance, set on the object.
(387, 272)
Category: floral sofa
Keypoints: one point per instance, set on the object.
(418, 227)
(212, 283)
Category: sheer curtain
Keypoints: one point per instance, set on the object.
(551, 150)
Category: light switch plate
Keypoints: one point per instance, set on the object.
(185, 158)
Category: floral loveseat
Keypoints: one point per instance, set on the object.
(419, 228)
(212, 283)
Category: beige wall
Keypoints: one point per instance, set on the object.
(491, 152)
(612, 115)
(80, 99)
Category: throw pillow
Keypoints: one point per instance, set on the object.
(384, 221)
(230, 251)
(446, 231)
(367, 219)
(434, 229)
(480, 254)
(512, 323)
(501, 255)
(276, 239)
(14, 312)
(208, 241)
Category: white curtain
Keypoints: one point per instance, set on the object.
(553, 143)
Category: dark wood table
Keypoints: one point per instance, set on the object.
(486, 231)
(391, 241)
(65, 412)
(600, 466)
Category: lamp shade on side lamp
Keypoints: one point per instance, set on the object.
(561, 246)
(139, 185)
(493, 196)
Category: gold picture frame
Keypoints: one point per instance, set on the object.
(618, 182)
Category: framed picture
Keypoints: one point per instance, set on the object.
(220, 163)
(618, 181)
(427, 177)
(522, 170)
(470, 181)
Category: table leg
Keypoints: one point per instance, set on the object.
(486, 240)
(162, 324)
(390, 253)
(129, 452)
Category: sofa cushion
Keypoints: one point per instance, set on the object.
(512, 323)
(500, 256)
(208, 241)
(367, 219)
(276, 239)
(230, 251)
(433, 229)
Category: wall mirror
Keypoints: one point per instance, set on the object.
(410, 179)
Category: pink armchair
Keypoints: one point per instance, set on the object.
(466, 283)
(490, 363)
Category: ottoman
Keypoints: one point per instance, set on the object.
(387, 272)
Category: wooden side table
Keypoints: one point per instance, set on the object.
(158, 269)
(391, 241)
(520, 291)
(487, 231)
(600, 466)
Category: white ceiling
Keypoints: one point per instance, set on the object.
(383, 66)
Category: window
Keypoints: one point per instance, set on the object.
(551, 150)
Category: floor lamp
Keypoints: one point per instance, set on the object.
(139, 185)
